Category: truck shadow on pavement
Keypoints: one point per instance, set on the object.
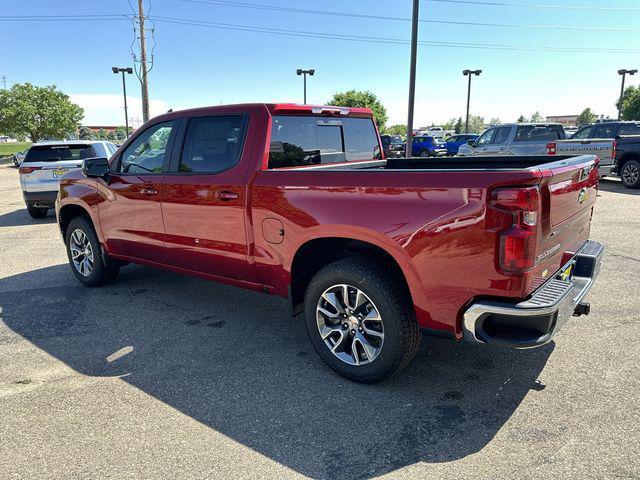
(239, 363)
(616, 186)
(18, 218)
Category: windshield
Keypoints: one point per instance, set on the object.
(56, 153)
(395, 139)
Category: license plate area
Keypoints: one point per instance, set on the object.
(58, 172)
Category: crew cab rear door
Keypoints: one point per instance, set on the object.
(204, 196)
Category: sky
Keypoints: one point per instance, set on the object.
(556, 71)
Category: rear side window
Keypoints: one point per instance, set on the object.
(629, 129)
(539, 133)
(308, 140)
(56, 153)
(212, 144)
(605, 130)
(582, 133)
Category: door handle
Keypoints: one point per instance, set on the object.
(149, 191)
(226, 195)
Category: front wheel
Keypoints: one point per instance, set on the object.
(360, 321)
(630, 174)
(424, 153)
(85, 254)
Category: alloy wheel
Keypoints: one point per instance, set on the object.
(630, 173)
(81, 252)
(350, 324)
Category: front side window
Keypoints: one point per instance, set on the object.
(502, 135)
(309, 140)
(487, 137)
(582, 133)
(212, 144)
(146, 153)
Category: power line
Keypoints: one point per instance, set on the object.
(534, 5)
(403, 19)
(59, 18)
(384, 40)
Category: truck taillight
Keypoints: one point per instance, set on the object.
(614, 150)
(28, 170)
(515, 212)
(551, 148)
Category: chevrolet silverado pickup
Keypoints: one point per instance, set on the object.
(617, 144)
(514, 139)
(299, 201)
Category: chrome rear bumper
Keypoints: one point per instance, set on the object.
(534, 322)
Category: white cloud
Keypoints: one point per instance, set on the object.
(107, 109)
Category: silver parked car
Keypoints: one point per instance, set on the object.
(514, 139)
(46, 162)
(18, 157)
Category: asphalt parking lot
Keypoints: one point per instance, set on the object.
(164, 376)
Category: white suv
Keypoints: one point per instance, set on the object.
(46, 162)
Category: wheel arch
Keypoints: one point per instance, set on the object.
(625, 158)
(68, 212)
(314, 253)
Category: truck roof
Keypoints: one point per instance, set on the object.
(283, 109)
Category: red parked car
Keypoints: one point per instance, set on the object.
(299, 201)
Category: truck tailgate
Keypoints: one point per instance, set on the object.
(568, 193)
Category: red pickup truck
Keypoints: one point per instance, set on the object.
(298, 201)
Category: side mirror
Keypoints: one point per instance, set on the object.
(471, 142)
(95, 167)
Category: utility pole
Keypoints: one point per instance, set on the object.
(623, 72)
(469, 73)
(412, 77)
(143, 64)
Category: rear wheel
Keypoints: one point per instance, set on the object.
(424, 153)
(85, 254)
(37, 212)
(360, 321)
(630, 174)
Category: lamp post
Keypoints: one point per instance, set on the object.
(412, 78)
(623, 72)
(304, 73)
(469, 73)
(129, 71)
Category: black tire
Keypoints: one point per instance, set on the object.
(37, 212)
(100, 273)
(424, 153)
(401, 333)
(630, 174)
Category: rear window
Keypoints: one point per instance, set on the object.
(307, 140)
(533, 133)
(56, 153)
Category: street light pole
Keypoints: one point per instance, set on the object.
(304, 73)
(412, 78)
(128, 70)
(623, 72)
(469, 73)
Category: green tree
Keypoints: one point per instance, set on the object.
(360, 99)
(476, 124)
(450, 125)
(84, 133)
(458, 126)
(522, 119)
(536, 118)
(495, 121)
(38, 112)
(398, 129)
(121, 133)
(630, 104)
(111, 135)
(586, 117)
(102, 134)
